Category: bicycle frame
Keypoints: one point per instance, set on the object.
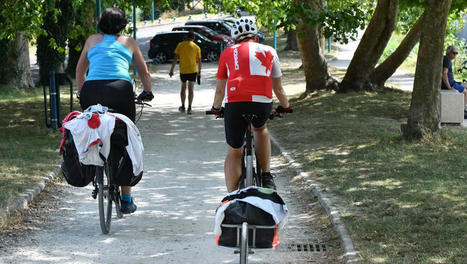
(249, 178)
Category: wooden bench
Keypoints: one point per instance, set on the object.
(452, 107)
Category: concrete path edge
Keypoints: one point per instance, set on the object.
(21, 202)
(326, 201)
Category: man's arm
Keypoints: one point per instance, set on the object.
(279, 92)
(171, 72)
(446, 79)
(198, 60)
(220, 93)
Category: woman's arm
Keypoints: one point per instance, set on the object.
(140, 65)
(82, 66)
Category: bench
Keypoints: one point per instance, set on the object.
(452, 107)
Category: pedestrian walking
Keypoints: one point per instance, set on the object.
(189, 55)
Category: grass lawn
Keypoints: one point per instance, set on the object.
(27, 147)
(406, 201)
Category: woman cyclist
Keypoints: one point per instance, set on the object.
(108, 55)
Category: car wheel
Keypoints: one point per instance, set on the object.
(212, 56)
(160, 57)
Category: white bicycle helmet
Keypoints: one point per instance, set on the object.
(243, 26)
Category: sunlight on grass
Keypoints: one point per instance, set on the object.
(405, 201)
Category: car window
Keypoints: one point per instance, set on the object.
(210, 31)
(199, 36)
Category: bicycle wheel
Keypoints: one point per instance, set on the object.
(105, 201)
(244, 244)
(117, 200)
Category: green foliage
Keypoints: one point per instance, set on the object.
(21, 16)
(51, 47)
(339, 19)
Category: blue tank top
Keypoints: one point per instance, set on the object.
(109, 60)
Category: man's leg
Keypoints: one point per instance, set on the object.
(263, 154)
(183, 96)
(191, 86)
(233, 168)
(263, 147)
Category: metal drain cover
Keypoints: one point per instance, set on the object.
(303, 247)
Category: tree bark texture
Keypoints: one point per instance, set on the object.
(292, 43)
(424, 112)
(387, 68)
(314, 64)
(372, 45)
(18, 68)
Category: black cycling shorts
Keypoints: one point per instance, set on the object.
(188, 77)
(236, 126)
(114, 94)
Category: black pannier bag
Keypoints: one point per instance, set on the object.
(75, 173)
(257, 206)
(239, 212)
(119, 161)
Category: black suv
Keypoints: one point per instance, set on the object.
(163, 44)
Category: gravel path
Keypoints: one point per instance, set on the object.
(181, 188)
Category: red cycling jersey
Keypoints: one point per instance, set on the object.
(248, 68)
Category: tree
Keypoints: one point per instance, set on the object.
(374, 40)
(292, 42)
(335, 18)
(424, 111)
(386, 69)
(315, 67)
(20, 22)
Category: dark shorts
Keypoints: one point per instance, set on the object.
(114, 94)
(236, 126)
(458, 86)
(188, 77)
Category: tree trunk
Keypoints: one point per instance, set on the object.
(371, 47)
(292, 43)
(387, 68)
(18, 68)
(424, 110)
(314, 64)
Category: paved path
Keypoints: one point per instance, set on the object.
(181, 188)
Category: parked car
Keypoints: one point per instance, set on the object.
(217, 25)
(207, 32)
(163, 44)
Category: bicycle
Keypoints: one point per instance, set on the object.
(251, 176)
(105, 190)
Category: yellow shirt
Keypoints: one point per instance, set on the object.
(188, 52)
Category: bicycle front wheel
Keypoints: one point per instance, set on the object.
(105, 200)
(244, 244)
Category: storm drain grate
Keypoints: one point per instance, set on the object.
(305, 247)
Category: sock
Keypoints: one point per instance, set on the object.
(264, 174)
(126, 197)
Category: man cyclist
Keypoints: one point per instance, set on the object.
(248, 72)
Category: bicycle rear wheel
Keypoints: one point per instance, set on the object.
(244, 244)
(105, 199)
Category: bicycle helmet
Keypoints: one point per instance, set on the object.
(243, 26)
